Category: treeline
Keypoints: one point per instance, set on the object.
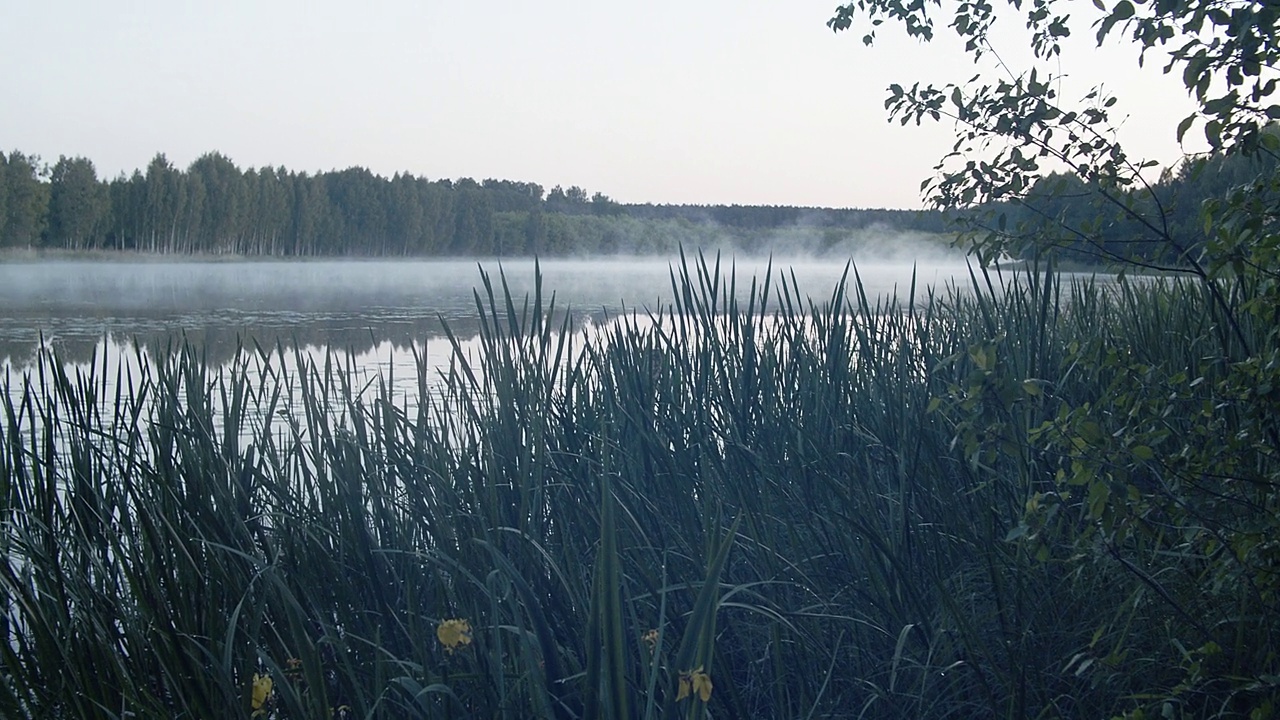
(214, 207)
(1158, 225)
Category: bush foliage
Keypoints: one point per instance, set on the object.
(1169, 474)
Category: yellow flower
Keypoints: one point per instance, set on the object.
(694, 681)
(454, 634)
(651, 639)
(261, 692)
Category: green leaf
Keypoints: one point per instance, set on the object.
(1213, 134)
(1185, 125)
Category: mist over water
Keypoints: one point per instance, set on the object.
(83, 308)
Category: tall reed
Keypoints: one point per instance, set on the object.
(748, 501)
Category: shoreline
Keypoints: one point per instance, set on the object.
(34, 255)
(28, 255)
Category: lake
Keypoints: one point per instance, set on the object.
(379, 311)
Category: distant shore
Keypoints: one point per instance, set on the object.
(21, 255)
(14, 256)
(34, 255)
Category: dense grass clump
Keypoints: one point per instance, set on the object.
(747, 503)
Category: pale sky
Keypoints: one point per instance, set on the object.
(665, 101)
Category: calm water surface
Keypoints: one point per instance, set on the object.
(77, 306)
(379, 311)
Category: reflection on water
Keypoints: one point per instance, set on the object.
(374, 309)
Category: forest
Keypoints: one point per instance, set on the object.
(1079, 220)
(214, 207)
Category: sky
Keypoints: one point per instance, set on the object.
(752, 102)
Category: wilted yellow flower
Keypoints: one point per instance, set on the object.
(651, 639)
(694, 682)
(261, 692)
(454, 634)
